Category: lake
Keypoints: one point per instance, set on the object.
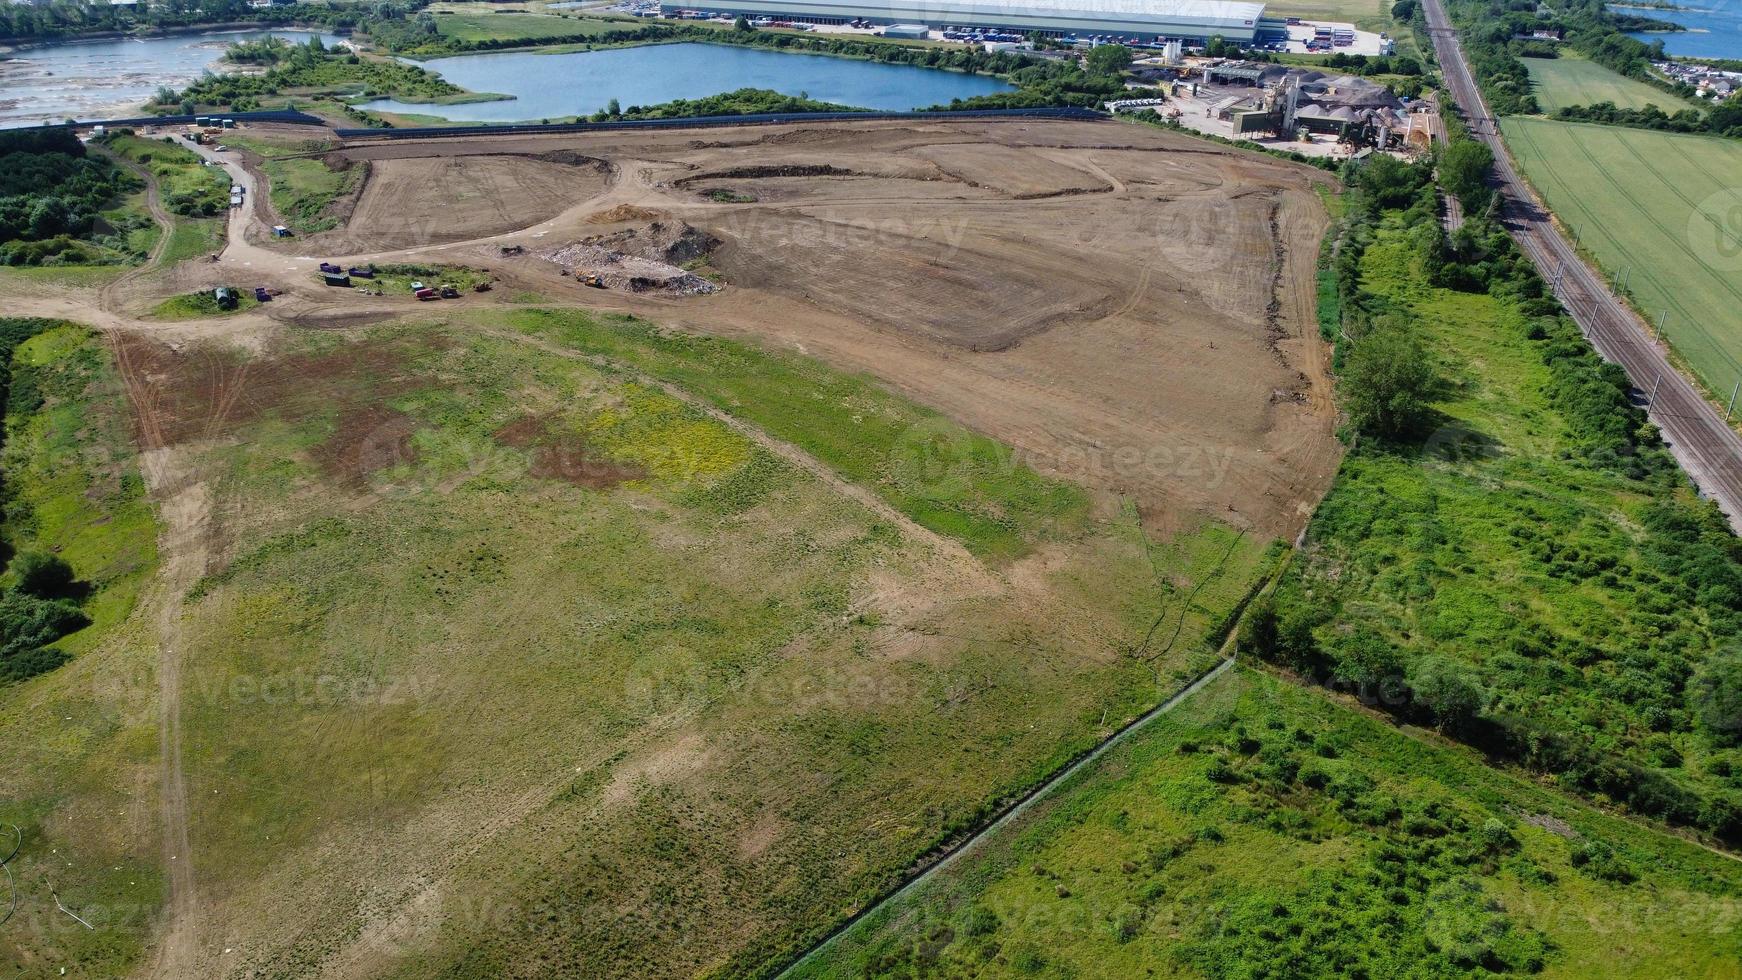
(1714, 32)
(109, 79)
(549, 86)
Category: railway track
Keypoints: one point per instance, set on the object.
(1702, 441)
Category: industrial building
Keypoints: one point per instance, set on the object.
(1148, 21)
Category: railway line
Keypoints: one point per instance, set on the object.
(1705, 445)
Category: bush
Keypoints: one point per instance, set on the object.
(1389, 384)
(43, 575)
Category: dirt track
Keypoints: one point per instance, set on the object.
(1129, 308)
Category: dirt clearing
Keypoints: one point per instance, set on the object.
(1130, 308)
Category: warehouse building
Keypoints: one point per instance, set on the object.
(1148, 21)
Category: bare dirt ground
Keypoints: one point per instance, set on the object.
(1130, 308)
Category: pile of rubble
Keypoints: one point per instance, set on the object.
(643, 259)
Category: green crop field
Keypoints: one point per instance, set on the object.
(1262, 831)
(1571, 80)
(597, 630)
(1659, 211)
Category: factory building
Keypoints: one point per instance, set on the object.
(1193, 21)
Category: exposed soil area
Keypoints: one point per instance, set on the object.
(1129, 308)
(408, 203)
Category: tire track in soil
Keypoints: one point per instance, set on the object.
(182, 550)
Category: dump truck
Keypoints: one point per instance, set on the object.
(336, 278)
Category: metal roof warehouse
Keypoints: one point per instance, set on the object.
(1145, 19)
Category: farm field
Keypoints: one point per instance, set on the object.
(1571, 80)
(1657, 209)
(1262, 830)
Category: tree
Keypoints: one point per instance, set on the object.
(1108, 59)
(1447, 691)
(1464, 168)
(742, 23)
(41, 574)
(614, 109)
(1389, 384)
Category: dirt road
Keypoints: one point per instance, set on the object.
(1705, 446)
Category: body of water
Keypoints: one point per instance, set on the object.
(549, 86)
(1714, 32)
(109, 79)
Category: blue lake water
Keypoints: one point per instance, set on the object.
(548, 86)
(110, 79)
(1713, 32)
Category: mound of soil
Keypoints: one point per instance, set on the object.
(622, 213)
(642, 259)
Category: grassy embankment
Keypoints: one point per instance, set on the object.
(661, 645)
(1656, 210)
(81, 738)
(1264, 830)
(305, 190)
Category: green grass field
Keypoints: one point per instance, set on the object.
(81, 739)
(1368, 14)
(1658, 210)
(525, 27)
(1572, 80)
(1260, 830)
(500, 615)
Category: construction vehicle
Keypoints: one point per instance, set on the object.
(426, 293)
(513, 249)
(592, 280)
(482, 287)
(449, 292)
(226, 297)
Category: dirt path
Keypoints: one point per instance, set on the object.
(182, 550)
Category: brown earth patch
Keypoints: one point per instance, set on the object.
(562, 455)
(186, 393)
(367, 439)
(622, 213)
